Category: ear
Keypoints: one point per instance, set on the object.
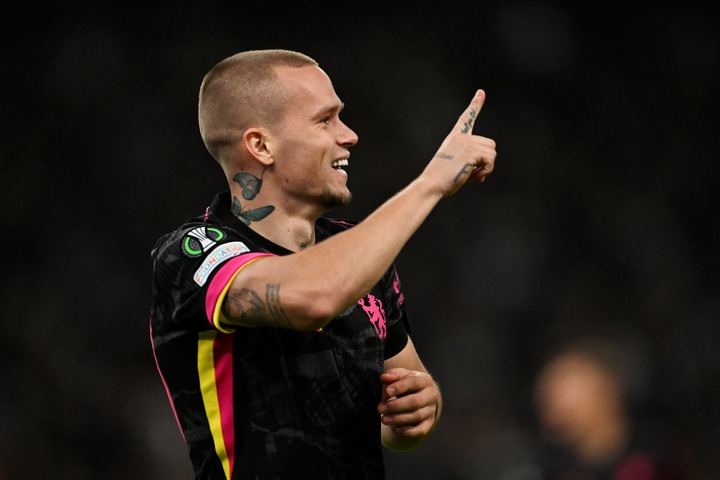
(255, 140)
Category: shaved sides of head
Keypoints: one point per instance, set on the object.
(240, 92)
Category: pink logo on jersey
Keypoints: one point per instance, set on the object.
(376, 314)
(396, 287)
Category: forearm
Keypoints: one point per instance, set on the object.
(357, 259)
(341, 269)
(335, 272)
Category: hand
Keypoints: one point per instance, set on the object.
(462, 156)
(410, 402)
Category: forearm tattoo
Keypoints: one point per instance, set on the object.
(247, 307)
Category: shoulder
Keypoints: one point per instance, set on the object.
(193, 234)
(196, 241)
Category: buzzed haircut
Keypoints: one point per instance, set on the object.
(242, 90)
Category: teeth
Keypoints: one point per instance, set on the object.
(340, 163)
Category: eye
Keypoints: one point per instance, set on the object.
(325, 120)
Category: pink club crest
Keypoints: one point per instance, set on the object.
(374, 310)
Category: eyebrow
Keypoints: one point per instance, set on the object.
(337, 108)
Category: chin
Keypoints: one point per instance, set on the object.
(334, 200)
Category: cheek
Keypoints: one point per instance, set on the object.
(296, 178)
(302, 144)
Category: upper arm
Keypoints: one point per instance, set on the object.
(274, 291)
(249, 299)
(228, 306)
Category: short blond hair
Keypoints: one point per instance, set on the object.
(240, 91)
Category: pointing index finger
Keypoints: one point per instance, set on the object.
(467, 120)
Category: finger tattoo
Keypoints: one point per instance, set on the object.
(468, 125)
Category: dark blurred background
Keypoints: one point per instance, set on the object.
(601, 215)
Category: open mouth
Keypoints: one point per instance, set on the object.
(339, 164)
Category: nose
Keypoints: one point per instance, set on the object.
(347, 137)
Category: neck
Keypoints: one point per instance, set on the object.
(276, 218)
(293, 233)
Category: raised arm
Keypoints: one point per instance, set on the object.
(339, 270)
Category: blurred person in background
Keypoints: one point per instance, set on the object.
(585, 396)
(282, 335)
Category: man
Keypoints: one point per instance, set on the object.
(588, 417)
(280, 334)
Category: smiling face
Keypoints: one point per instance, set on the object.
(310, 144)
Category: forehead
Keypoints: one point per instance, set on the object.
(309, 88)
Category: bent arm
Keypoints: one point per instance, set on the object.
(333, 273)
